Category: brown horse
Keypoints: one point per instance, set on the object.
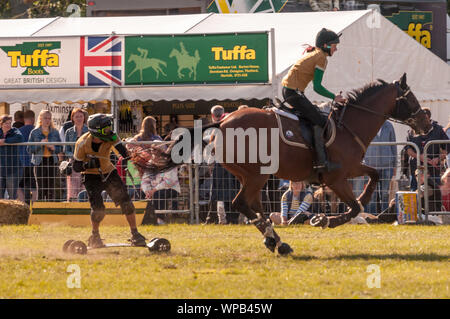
(365, 112)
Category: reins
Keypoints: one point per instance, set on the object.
(366, 109)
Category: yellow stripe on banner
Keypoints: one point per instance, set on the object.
(223, 6)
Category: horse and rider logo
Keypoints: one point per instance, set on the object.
(183, 59)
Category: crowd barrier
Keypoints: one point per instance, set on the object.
(200, 187)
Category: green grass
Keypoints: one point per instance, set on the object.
(229, 262)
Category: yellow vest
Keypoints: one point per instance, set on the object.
(302, 72)
(83, 148)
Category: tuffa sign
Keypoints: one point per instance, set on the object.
(196, 59)
(34, 56)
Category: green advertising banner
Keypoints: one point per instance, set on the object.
(196, 59)
(417, 24)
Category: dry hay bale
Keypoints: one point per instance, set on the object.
(13, 212)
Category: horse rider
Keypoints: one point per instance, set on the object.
(92, 159)
(311, 67)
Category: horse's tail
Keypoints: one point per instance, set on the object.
(161, 159)
(162, 62)
(197, 55)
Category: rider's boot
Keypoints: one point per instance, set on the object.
(137, 239)
(95, 241)
(323, 165)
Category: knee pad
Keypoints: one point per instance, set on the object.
(97, 215)
(127, 207)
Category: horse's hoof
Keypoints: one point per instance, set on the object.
(270, 243)
(320, 221)
(285, 249)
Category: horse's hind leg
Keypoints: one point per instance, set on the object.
(248, 203)
(267, 227)
(343, 190)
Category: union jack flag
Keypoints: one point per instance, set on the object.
(101, 60)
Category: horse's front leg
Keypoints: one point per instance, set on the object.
(343, 189)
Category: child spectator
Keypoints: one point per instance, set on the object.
(295, 203)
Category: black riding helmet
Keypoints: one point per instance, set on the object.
(327, 37)
(100, 125)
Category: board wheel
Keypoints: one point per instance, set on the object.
(78, 247)
(66, 245)
(159, 245)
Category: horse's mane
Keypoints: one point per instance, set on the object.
(357, 95)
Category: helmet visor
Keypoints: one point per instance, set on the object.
(107, 130)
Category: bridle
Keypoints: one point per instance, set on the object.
(396, 116)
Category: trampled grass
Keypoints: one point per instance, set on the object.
(230, 262)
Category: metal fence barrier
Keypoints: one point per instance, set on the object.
(199, 187)
(438, 179)
(21, 179)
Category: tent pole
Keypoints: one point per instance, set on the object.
(274, 70)
(113, 101)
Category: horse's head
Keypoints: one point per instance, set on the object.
(131, 58)
(407, 108)
(173, 53)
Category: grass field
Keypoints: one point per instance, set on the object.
(230, 262)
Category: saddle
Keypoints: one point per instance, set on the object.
(297, 130)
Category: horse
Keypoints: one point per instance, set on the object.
(359, 120)
(142, 63)
(186, 61)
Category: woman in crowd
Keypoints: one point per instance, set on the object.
(45, 157)
(79, 120)
(295, 203)
(10, 168)
(162, 187)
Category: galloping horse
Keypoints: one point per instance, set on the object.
(142, 63)
(185, 61)
(360, 119)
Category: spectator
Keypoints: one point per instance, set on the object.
(324, 5)
(18, 119)
(27, 184)
(295, 205)
(161, 188)
(445, 190)
(326, 202)
(384, 159)
(432, 131)
(434, 193)
(447, 132)
(10, 168)
(173, 124)
(79, 120)
(224, 185)
(68, 124)
(45, 157)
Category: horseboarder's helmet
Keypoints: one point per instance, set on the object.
(100, 126)
(327, 37)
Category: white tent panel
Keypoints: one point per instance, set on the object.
(55, 95)
(89, 26)
(395, 52)
(11, 28)
(292, 30)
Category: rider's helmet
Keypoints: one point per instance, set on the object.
(327, 37)
(100, 126)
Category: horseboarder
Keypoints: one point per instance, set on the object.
(311, 67)
(92, 159)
